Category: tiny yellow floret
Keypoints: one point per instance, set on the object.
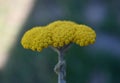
(58, 34)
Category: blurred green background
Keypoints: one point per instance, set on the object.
(98, 63)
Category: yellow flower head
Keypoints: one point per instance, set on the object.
(37, 38)
(58, 34)
(84, 35)
(62, 32)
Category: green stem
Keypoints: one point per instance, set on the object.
(60, 68)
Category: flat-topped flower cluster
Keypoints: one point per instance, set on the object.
(58, 34)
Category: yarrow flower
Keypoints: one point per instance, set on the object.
(58, 34)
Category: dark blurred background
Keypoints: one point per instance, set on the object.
(98, 63)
